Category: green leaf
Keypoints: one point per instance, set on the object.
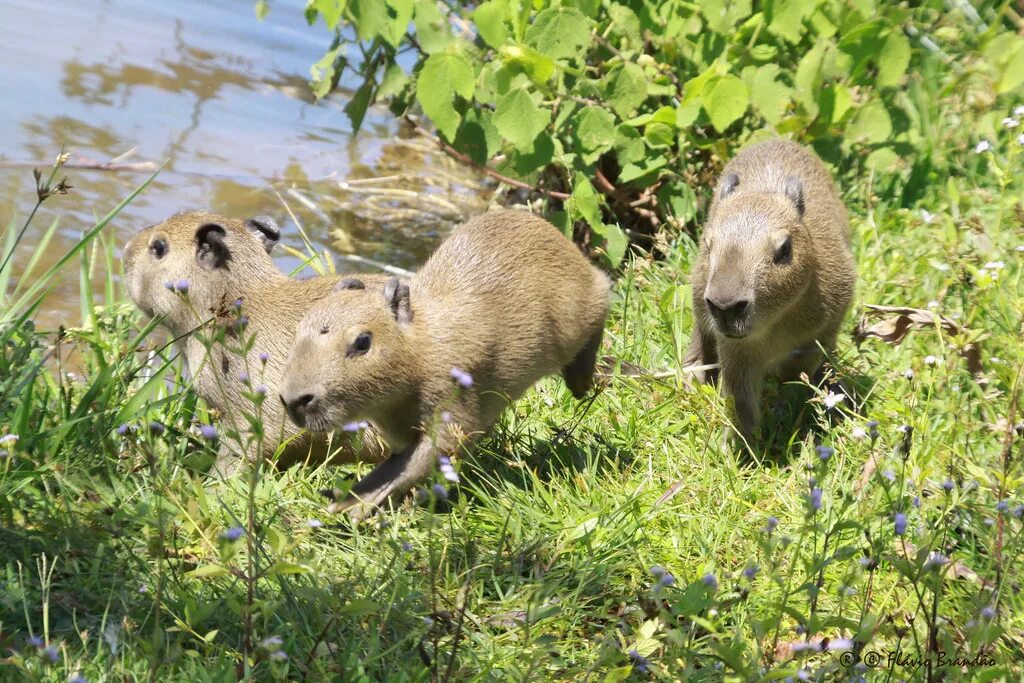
(1013, 69)
(625, 23)
(871, 125)
(809, 75)
(324, 73)
(399, 15)
(785, 17)
(680, 199)
(863, 45)
(208, 571)
(626, 89)
(444, 75)
(769, 96)
(477, 136)
(893, 60)
(330, 10)
(595, 129)
(725, 100)
(584, 202)
(659, 135)
(433, 32)
(613, 242)
(559, 32)
(723, 16)
(489, 18)
(392, 82)
(537, 66)
(282, 567)
(369, 17)
(519, 119)
(356, 107)
(629, 145)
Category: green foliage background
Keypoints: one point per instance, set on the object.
(630, 107)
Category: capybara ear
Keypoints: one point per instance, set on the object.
(795, 192)
(729, 185)
(212, 251)
(349, 283)
(397, 296)
(265, 228)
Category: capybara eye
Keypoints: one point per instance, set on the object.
(361, 345)
(784, 254)
(158, 248)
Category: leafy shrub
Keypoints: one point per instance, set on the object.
(620, 111)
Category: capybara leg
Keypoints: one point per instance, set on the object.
(579, 373)
(389, 479)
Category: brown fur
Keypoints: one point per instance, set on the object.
(273, 303)
(506, 298)
(792, 306)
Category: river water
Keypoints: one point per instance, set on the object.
(222, 98)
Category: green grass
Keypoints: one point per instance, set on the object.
(539, 567)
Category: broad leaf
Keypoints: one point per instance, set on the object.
(519, 119)
(444, 75)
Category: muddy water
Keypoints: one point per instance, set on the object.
(125, 85)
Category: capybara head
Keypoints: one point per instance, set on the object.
(205, 255)
(353, 356)
(757, 256)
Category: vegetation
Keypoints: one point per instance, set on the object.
(611, 540)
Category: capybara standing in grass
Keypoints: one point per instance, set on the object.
(211, 280)
(431, 362)
(775, 273)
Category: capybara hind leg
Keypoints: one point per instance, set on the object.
(579, 373)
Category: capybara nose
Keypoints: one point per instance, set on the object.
(300, 406)
(726, 308)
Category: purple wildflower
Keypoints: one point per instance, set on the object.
(355, 426)
(948, 485)
(824, 452)
(279, 655)
(751, 571)
(314, 523)
(242, 322)
(406, 547)
(156, 428)
(181, 286)
(445, 464)
(122, 429)
(36, 641)
(710, 581)
(872, 426)
(208, 432)
(1002, 506)
(461, 377)
(440, 492)
(771, 524)
(446, 417)
(640, 663)
(237, 304)
(890, 475)
(815, 499)
(264, 356)
(1018, 511)
(916, 501)
(987, 613)
(900, 523)
(261, 390)
(51, 654)
(243, 377)
(935, 560)
(271, 643)
(836, 644)
(233, 534)
(169, 286)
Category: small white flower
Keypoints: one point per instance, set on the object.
(1010, 123)
(982, 146)
(931, 360)
(908, 373)
(927, 216)
(833, 399)
(1021, 248)
(995, 265)
(8, 439)
(932, 304)
(1018, 110)
(859, 434)
(1020, 139)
